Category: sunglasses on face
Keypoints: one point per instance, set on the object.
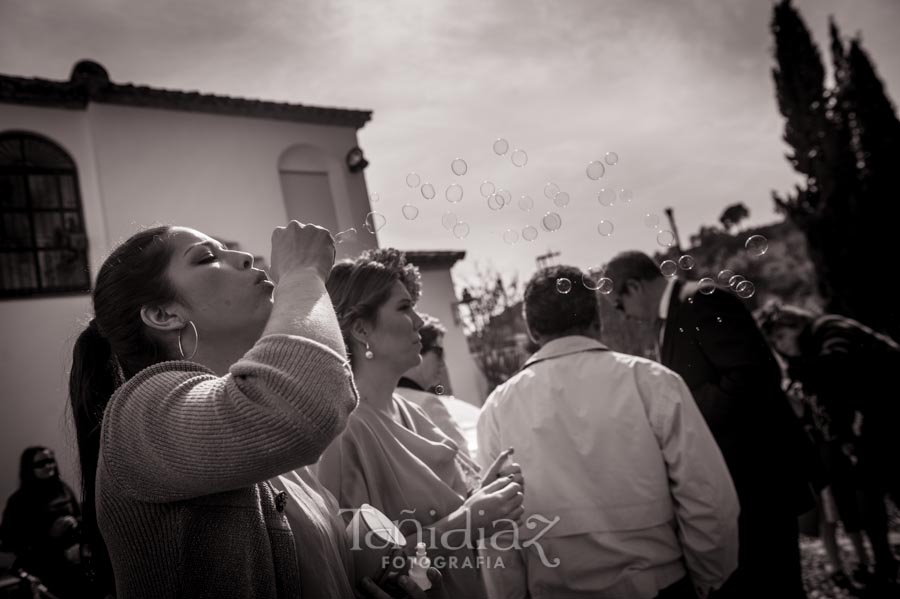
(44, 463)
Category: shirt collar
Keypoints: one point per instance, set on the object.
(666, 298)
(564, 346)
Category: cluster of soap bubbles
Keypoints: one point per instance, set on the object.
(593, 279)
(497, 199)
(518, 157)
(737, 283)
(669, 268)
(596, 168)
(707, 285)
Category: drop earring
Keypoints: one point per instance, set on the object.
(369, 355)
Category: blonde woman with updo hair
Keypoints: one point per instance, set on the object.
(392, 456)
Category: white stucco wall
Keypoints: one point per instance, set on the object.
(38, 334)
(141, 167)
(216, 173)
(438, 298)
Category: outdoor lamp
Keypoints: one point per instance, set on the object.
(355, 160)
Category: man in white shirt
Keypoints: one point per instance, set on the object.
(626, 486)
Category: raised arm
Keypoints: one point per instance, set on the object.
(176, 430)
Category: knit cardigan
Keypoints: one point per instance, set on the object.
(182, 501)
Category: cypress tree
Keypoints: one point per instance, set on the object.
(844, 141)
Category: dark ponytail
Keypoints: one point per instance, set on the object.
(92, 381)
(115, 346)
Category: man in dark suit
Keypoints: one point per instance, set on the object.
(713, 342)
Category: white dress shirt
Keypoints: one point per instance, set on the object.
(664, 302)
(614, 446)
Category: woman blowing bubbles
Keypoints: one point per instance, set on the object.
(195, 382)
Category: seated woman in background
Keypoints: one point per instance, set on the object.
(392, 456)
(41, 525)
(196, 381)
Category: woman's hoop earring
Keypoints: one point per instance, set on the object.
(196, 340)
(369, 355)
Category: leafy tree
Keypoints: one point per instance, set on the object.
(492, 321)
(733, 215)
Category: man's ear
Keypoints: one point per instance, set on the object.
(162, 317)
(534, 338)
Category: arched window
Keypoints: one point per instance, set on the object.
(43, 246)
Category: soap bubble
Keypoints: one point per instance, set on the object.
(501, 146)
(410, 211)
(374, 222)
(374, 197)
(449, 220)
(495, 202)
(665, 238)
(595, 170)
(686, 262)
(724, 276)
(611, 158)
(454, 193)
(745, 289)
(651, 221)
(428, 191)
(459, 167)
(550, 190)
(439, 389)
(706, 286)
(605, 228)
(563, 285)
(551, 221)
(413, 180)
(668, 268)
(561, 199)
(461, 230)
(510, 236)
(526, 204)
(625, 195)
(594, 280)
(487, 188)
(757, 245)
(519, 158)
(529, 233)
(606, 197)
(736, 280)
(507, 197)
(345, 236)
(591, 278)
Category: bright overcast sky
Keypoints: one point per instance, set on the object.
(681, 90)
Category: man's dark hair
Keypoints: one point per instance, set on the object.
(431, 331)
(775, 315)
(550, 312)
(630, 265)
